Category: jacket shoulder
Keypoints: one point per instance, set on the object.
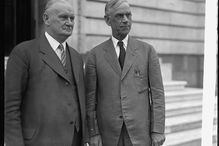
(142, 43)
(25, 48)
(100, 46)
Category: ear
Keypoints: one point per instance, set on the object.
(107, 20)
(46, 18)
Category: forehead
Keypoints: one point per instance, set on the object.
(121, 8)
(60, 7)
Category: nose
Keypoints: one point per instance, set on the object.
(125, 18)
(70, 21)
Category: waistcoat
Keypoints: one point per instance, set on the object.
(73, 99)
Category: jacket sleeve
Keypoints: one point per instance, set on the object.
(15, 83)
(81, 92)
(91, 95)
(157, 94)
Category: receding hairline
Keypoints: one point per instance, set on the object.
(51, 3)
(113, 4)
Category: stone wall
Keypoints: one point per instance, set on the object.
(171, 26)
(174, 27)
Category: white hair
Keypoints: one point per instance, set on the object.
(113, 4)
(50, 3)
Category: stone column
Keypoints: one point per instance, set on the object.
(78, 36)
(166, 70)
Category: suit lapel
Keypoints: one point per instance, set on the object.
(130, 57)
(75, 64)
(50, 57)
(111, 57)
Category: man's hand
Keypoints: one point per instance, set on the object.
(95, 141)
(157, 139)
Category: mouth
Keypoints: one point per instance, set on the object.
(68, 28)
(125, 27)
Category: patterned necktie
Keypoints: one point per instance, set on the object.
(121, 54)
(63, 54)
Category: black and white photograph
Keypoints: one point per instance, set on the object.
(110, 73)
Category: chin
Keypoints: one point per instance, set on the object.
(67, 33)
(125, 33)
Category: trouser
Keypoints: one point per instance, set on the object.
(77, 139)
(124, 139)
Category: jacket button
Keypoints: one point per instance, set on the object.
(66, 83)
(120, 117)
(71, 122)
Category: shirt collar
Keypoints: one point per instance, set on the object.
(115, 41)
(54, 43)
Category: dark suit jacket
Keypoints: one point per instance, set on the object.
(134, 95)
(37, 90)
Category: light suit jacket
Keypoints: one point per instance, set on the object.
(134, 95)
(38, 96)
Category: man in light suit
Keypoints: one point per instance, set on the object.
(124, 89)
(44, 90)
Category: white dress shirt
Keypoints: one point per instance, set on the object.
(116, 46)
(54, 44)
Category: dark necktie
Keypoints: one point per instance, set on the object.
(63, 54)
(121, 54)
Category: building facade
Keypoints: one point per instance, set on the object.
(174, 27)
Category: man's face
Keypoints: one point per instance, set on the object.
(120, 20)
(60, 20)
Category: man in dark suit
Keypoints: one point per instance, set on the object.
(124, 88)
(44, 90)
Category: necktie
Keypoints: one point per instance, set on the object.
(63, 54)
(121, 54)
